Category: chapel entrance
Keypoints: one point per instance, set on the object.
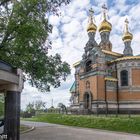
(87, 100)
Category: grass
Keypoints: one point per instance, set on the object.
(121, 123)
(24, 128)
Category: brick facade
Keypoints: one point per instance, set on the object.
(135, 77)
(107, 81)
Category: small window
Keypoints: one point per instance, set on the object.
(124, 78)
(88, 66)
(87, 85)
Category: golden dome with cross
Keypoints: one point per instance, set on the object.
(127, 36)
(91, 26)
(105, 26)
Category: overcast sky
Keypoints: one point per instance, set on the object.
(69, 37)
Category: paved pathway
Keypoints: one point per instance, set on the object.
(46, 131)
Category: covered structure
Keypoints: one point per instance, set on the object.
(11, 85)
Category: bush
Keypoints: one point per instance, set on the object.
(26, 114)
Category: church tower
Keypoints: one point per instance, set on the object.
(105, 29)
(90, 71)
(91, 29)
(127, 38)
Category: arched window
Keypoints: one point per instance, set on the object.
(124, 78)
(88, 66)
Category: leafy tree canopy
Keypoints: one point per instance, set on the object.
(30, 107)
(24, 29)
(38, 105)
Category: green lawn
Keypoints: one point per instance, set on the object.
(121, 123)
(24, 128)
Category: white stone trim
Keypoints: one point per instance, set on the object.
(136, 106)
(13, 82)
(9, 77)
(9, 87)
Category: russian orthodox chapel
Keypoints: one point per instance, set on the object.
(106, 81)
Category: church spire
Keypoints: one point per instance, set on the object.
(105, 29)
(91, 26)
(126, 25)
(127, 38)
(91, 12)
(91, 29)
(104, 11)
(105, 26)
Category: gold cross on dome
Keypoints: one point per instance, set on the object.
(104, 7)
(126, 24)
(126, 21)
(91, 12)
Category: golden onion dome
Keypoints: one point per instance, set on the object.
(91, 26)
(127, 36)
(105, 26)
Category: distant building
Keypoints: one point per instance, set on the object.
(106, 81)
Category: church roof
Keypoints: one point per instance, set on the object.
(105, 52)
(76, 64)
(112, 53)
(73, 87)
(126, 58)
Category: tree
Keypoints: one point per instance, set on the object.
(30, 107)
(62, 107)
(34, 107)
(29, 111)
(24, 31)
(39, 105)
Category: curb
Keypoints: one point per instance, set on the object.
(26, 131)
